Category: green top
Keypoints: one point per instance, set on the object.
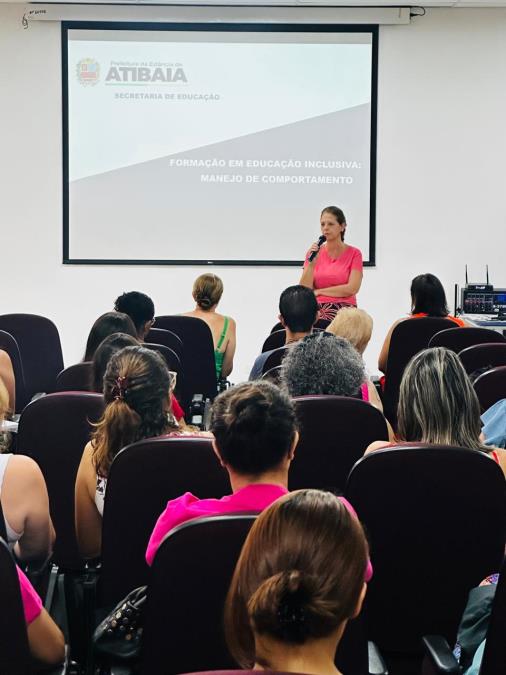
(218, 356)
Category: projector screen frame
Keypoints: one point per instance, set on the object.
(373, 29)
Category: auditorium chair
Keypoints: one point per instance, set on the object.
(198, 365)
(334, 434)
(272, 375)
(9, 345)
(274, 340)
(159, 336)
(277, 339)
(408, 338)
(53, 430)
(458, 339)
(490, 387)
(75, 378)
(40, 349)
(170, 357)
(436, 522)
(143, 477)
(189, 581)
(274, 359)
(439, 658)
(483, 357)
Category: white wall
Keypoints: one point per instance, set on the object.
(441, 183)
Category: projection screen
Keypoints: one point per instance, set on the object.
(215, 143)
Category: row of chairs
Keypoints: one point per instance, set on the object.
(459, 530)
(34, 346)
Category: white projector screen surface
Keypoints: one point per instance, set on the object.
(215, 146)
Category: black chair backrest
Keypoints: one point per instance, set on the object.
(273, 375)
(160, 336)
(436, 522)
(187, 592)
(490, 387)
(334, 434)
(171, 358)
(408, 338)
(15, 656)
(274, 359)
(494, 656)
(142, 479)
(321, 324)
(40, 349)
(487, 356)
(180, 582)
(274, 340)
(199, 369)
(8, 344)
(458, 339)
(75, 378)
(53, 430)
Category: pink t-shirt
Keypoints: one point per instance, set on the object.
(251, 498)
(32, 604)
(335, 272)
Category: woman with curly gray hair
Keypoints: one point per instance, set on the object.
(323, 364)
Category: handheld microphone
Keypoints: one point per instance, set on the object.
(313, 255)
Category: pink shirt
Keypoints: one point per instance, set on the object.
(335, 272)
(32, 604)
(251, 498)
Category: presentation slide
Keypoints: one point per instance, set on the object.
(192, 146)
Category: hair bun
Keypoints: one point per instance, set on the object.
(285, 605)
(204, 301)
(249, 414)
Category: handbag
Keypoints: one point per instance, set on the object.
(119, 634)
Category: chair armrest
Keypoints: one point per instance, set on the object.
(439, 658)
(377, 665)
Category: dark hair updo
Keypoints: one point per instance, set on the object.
(254, 426)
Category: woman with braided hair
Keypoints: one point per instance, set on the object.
(302, 574)
(137, 385)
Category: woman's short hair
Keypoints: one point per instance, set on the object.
(338, 215)
(207, 290)
(354, 324)
(136, 394)
(105, 325)
(322, 364)
(139, 307)
(299, 576)
(254, 426)
(428, 296)
(112, 344)
(437, 402)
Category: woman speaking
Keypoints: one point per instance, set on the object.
(335, 272)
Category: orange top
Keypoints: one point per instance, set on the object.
(455, 319)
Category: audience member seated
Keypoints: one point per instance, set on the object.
(112, 344)
(45, 639)
(494, 424)
(438, 405)
(105, 325)
(356, 326)
(255, 437)
(298, 312)
(300, 578)
(207, 292)
(29, 530)
(137, 385)
(25, 503)
(427, 299)
(140, 308)
(322, 364)
(7, 377)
